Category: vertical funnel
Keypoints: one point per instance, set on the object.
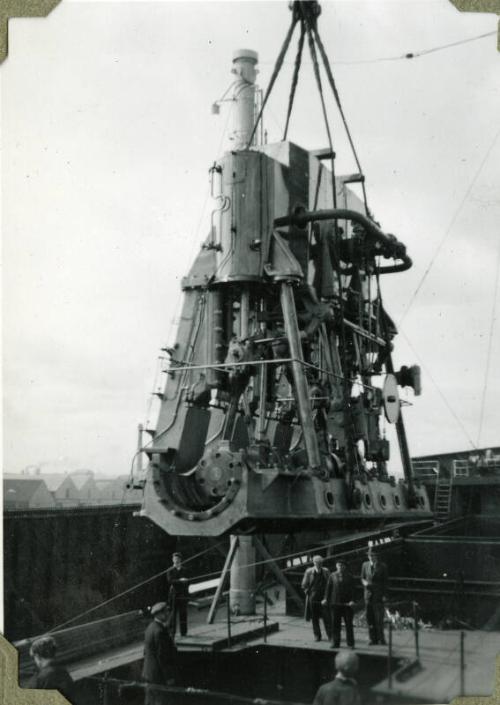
(244, 68)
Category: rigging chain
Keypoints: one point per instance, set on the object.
(298, 60)
(307, 13)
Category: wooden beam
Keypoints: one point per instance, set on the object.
(220, 587)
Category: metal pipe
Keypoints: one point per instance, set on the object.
(389, 658)
(302, 218)
(228, 617)
(415, 627)
(299, 378)
(244, 313)
(244, 67)
(462, 663)
(265, 616)
(260, 431)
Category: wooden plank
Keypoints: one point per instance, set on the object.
(227, 565)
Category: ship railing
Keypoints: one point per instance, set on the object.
(475, 465)
(425, 468)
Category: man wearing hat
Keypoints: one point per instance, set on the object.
(343, 689)
(374, 581)
(314, 585)
(339, 599)
(160, 654)
(178, 594)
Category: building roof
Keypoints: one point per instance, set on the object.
(54, 481)
(20, 489)
(80, 479)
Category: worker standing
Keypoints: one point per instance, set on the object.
(314, 585)
(178, 595)
(339, 600)
(374, 581)
(160, 655)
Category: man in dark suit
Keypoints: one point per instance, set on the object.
(160, 654)
(314, 585)
(50, 675)
(339, 600)
(178, 594)
(374, 580)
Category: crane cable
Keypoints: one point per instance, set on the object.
(449, 228)
(274, 76)
(295, 78)
(333, 86)
(490, 346)
(307, 13)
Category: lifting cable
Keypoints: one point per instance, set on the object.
(205, 576)
(274, 76)
(438, 389)
(125, 592)
(449, 228)
(490, 345)
(309, 18)
(307, 13)
(295, 78)
(341, 111)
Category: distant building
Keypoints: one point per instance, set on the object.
(86, 486)
(108, 493)
(21, 492)
(63, 489)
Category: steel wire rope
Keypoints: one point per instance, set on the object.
(295, 78)
(408, 55)
(449, 228)
(203, 576)
(310, 26)
(438, 389)
(426, 370)
(128, 590)
(274, 75)
(490, 346)
(341, 111)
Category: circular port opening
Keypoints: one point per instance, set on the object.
(329, 498)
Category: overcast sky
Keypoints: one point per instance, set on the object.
(107, 138)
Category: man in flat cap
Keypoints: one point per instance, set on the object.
(178, 595)
(160, 654)
(374, 581)
(314, 586)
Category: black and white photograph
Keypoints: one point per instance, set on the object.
(250, 325)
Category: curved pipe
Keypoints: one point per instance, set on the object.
(301, 219)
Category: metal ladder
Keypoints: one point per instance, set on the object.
(442, 497)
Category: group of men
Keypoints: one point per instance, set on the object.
(330, 597)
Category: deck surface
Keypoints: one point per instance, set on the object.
(438, 680)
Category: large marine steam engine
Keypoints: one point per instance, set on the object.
(280, 382)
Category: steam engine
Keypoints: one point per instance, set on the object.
(281, 380)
